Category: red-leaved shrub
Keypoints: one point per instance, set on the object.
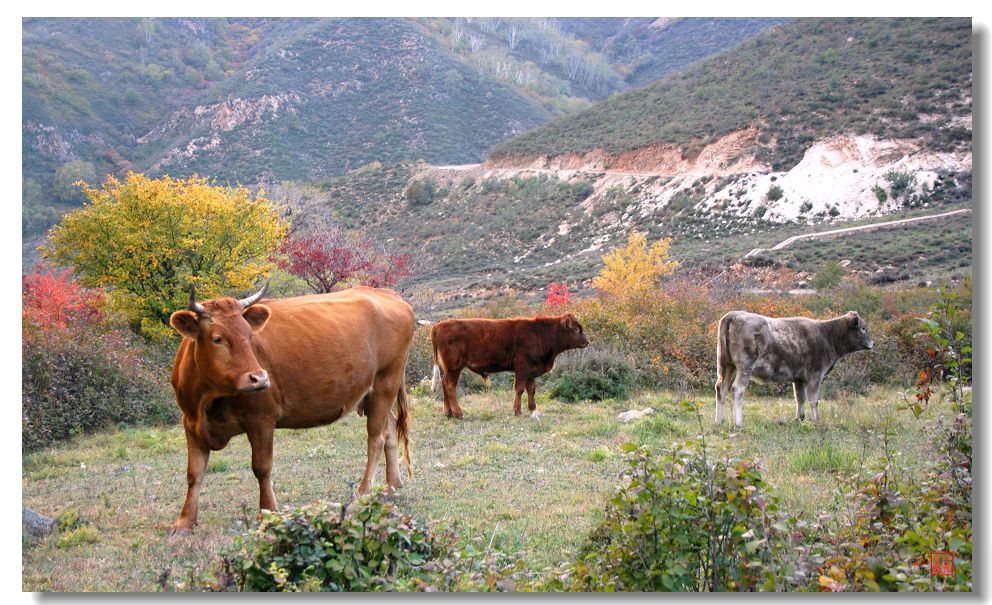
(78, 372)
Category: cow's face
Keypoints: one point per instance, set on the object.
(570, 335)
(223, 331)
(857, 338)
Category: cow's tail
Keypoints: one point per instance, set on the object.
(436, 377)
(724, 362)
(403, 426)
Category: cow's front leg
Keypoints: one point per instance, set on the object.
(196, 464)
(799, 388)
(519, 384)
(260, 438)
(531, 389)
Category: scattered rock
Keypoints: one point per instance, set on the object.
(36, 523)
(635, 414)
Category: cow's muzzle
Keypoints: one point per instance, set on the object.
(253, 382)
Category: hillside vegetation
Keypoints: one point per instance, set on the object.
(799, 82)
(261, 100)
(93, 86)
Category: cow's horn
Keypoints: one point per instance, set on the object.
(193, 305)
(254, 298)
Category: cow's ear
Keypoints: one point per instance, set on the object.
(852, 316)
(186, 323)
(257, 316)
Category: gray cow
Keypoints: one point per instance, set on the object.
(787, 349)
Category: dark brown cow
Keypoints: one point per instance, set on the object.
(295, 363)
(527, 347)
(782, 349)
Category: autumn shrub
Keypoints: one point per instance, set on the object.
(368, 545)
(77, 373)
(147, 240)
(558, 296)
(592, 375)
(329, 258)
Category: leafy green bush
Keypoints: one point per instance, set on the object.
(829, 276)
(86, 382)
(420, 192)
(774, 193)
(684, 521)
(880, 194)
(370, 546)
(592, 375)
(581, 190)
(899, 183)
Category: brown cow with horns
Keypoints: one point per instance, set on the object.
(295, 363)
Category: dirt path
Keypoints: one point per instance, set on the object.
(846, 230)
(555, 171)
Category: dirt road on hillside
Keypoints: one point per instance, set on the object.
(846, 230)
(555, 171)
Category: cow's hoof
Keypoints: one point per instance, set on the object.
(517, 413)
(180, 529)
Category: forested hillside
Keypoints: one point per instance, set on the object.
(800, 82)
(263, 100)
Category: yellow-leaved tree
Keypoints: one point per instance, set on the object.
(146, 240)
(632, 271)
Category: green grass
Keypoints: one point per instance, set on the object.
(537, 483)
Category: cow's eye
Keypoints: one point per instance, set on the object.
(864, 329)
(217, 340)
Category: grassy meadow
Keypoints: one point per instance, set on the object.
(532, 484)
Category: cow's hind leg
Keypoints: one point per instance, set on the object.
(519, 384)
(813, 396)
(740, 384)
(393, 479)
(376, 415)
(799, 388)
(450, 386)
(260, 438)
(723, 381)
(531, 389)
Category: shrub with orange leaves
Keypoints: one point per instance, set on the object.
(78, 372)
(558, 296)
(52, 300)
